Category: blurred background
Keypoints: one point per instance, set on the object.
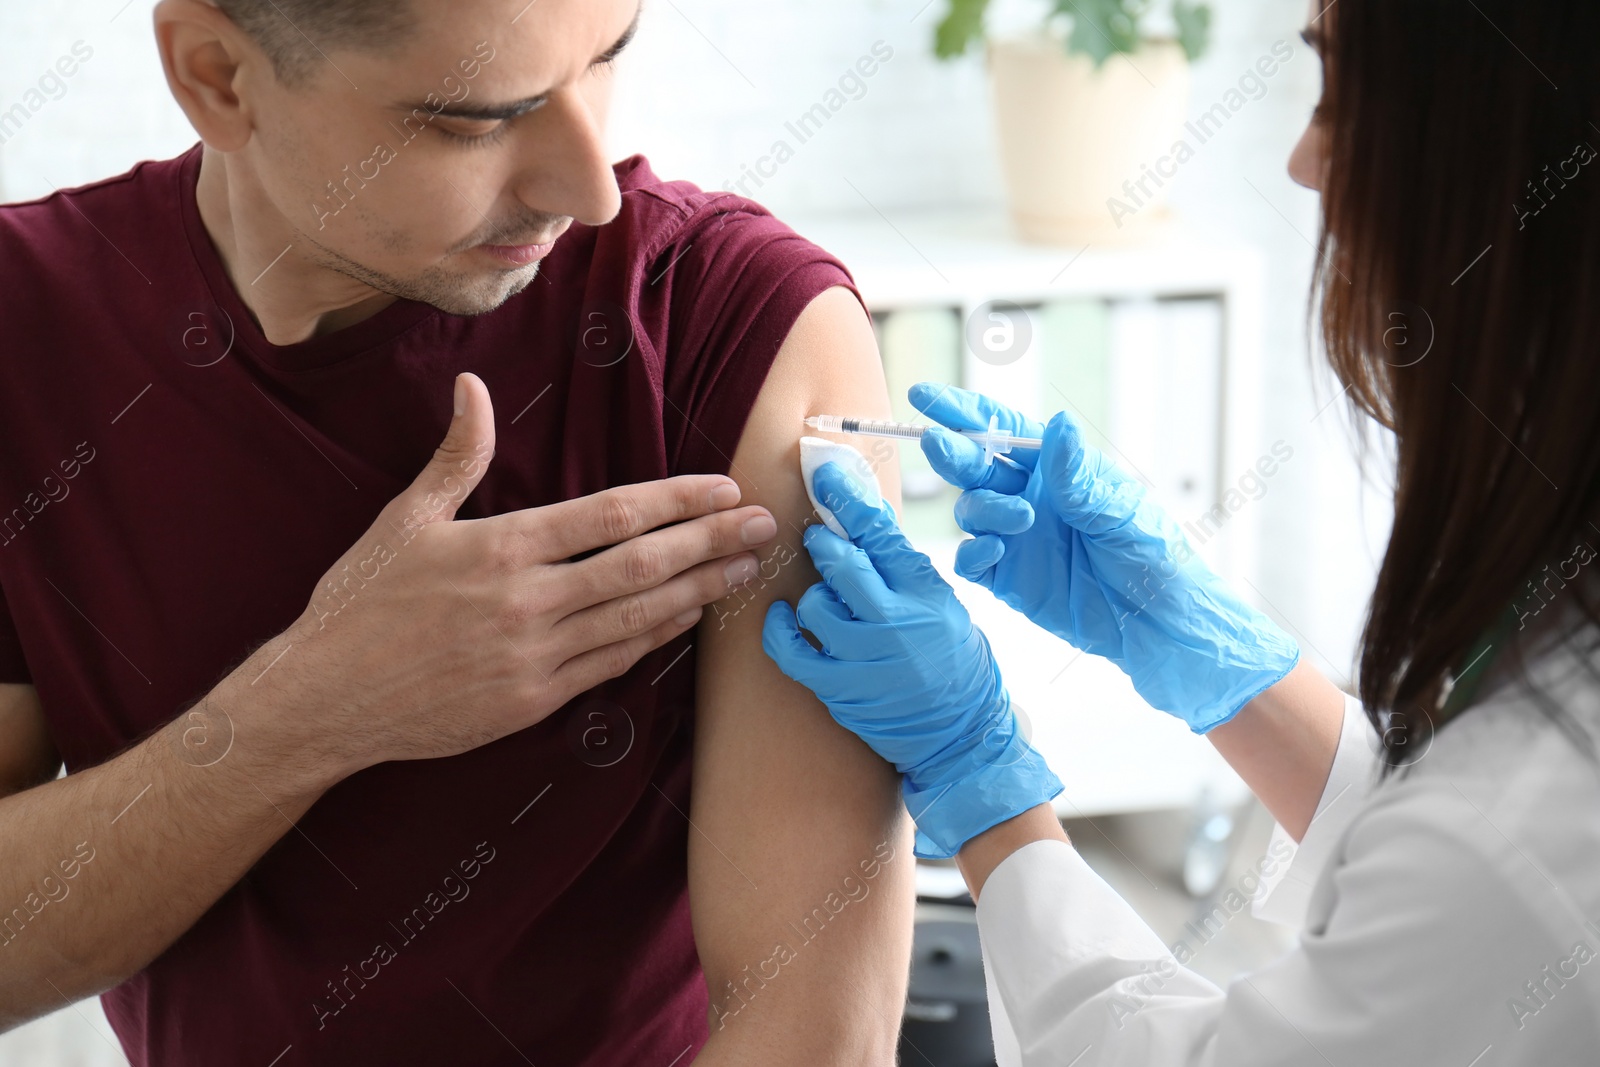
(1023, 222)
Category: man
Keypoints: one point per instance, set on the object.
(372, 766)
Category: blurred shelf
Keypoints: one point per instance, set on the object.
(930, 258)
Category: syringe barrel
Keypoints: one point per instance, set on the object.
(881, 428)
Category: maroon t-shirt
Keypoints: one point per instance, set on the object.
(172, 486)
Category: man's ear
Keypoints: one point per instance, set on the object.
(207, 59)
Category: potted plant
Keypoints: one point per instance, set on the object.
(1084, 106)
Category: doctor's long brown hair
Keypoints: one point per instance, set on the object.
(1461, 215)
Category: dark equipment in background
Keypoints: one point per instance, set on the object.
(946, 1021)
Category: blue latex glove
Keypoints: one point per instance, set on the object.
(1065, 537)
(903, 667)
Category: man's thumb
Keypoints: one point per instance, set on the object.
(459, 463)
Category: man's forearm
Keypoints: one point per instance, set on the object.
(102, 870)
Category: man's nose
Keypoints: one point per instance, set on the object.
(569, 173)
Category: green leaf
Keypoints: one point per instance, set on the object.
(960, 27)
(1194, 27)
(1102, 28)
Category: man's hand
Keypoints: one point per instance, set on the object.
(432, 635)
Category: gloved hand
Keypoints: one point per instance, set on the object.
(1065, 537)
(903, 667)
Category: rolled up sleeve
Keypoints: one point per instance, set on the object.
(1286, 891)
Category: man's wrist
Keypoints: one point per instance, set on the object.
(261, 712)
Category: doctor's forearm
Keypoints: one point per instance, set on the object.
(980, 856)
(1282, 744)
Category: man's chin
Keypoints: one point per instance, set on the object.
(453, 292)
(476, 296)
(458, 294)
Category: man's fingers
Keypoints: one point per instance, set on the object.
(588, 669)
(637, 611)
(652, 558)
(612, 516)
(457, 465)
(983, 511)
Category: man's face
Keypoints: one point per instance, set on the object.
(441, 169)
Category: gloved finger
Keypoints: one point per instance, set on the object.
(1086, 489)
(786, 646)
(900, 566)
(822, 612)
(837, 490)
(976, 559)
(963, 409)
(961, 462)
(983, 511)
(849, 572)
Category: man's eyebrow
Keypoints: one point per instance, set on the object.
(624, 41)
(501, 112)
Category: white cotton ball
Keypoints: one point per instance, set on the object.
(814, 452)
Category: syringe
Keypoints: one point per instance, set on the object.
(994, 440)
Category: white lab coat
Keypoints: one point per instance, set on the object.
(1451, 917)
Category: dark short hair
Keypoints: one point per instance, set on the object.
(297, 34)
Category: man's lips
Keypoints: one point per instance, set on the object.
(518, 255)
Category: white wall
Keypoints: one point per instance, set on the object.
(115, 110)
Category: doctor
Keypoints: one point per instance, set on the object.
(1447, 867)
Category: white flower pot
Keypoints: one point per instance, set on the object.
(1077, 142)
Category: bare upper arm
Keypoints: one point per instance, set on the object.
(800, 863)
(27, 755)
